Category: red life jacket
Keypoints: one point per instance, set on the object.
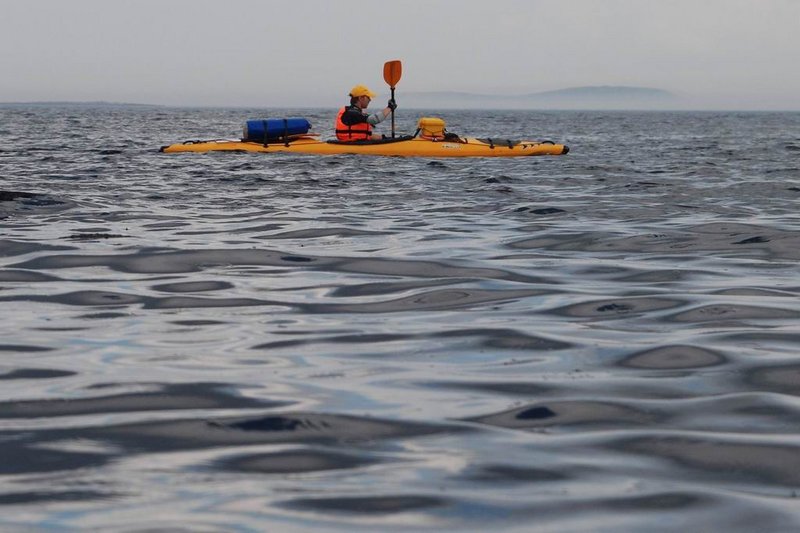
(356, 132)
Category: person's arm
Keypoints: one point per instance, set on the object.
(377, 118)
(351, 117)
(380, 117)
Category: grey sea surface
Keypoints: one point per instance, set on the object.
(604, 341)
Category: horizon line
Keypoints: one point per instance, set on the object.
(610, 108)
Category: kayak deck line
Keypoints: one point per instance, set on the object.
(401, 146)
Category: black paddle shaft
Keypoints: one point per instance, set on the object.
(393, 114)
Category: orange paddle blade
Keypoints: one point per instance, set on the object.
(392, 70)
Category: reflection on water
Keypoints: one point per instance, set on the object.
(602, 341)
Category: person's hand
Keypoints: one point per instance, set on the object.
(392, 104)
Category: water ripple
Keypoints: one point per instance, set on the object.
(602, 341)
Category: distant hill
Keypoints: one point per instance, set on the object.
(595, 97)
(605, 91)
(602, 97)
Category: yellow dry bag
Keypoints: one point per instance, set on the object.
(431, 128)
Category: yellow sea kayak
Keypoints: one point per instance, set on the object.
(406, 146)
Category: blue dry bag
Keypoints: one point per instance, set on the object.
(274, 129)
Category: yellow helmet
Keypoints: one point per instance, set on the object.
(361, 90)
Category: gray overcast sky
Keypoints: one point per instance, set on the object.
(724, 53)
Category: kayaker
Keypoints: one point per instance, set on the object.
(353, 123)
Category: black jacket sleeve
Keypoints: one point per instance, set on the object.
(353, 116)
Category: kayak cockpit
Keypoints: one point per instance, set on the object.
(370, 142)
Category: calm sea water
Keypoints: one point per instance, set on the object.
(603, 341)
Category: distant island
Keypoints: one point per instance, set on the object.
(593, 97)
(602, 97)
